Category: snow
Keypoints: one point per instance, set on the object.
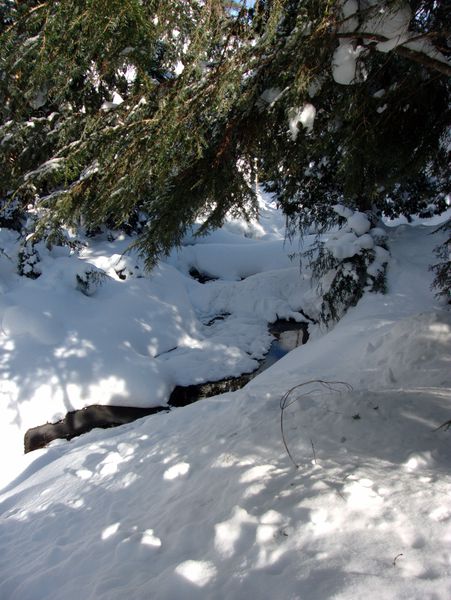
(305, 116)
(48, 167)
(270, 96)
(344, 62)
(391, 23)
(117, 99)
(356, 235)
(203, 501)
(349, 9)
(384, 19)
(179, 68)
(343, 211)
(426, 47)
(242, 259)
(82, 335)
(359, 223)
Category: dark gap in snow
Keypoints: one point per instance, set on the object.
(221, 317)
(288, 334)
(81, 421)
(182, 395)
(309, 319)
(201, 277)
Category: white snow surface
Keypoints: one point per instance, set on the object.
(203, 501)
(344, 62)
(304, 116)
(356, 235)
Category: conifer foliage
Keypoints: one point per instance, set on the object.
(110, 107)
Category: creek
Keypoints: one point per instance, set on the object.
(287, 334)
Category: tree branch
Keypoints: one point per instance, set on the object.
(413, 55)
(25, 16)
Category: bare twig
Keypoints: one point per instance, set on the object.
(396, 558)
(445, 426)
(314, 453)
(331, 386)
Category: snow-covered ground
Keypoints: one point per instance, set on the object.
(130, 341)
(204, 501)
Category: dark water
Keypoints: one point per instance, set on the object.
(287, 336)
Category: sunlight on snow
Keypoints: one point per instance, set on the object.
(271, 517)
(8, 345)
(258, 473)
(74, 348)
(76, 503)
(110, 531)
(150, 539)
(262, 533)
(228, 532)
(321, 522)
(84, 474)
(257, 476)
(419, 460)
(110, 464)
(176, 471)
(226, 460)
(441, 331)
(108, 387)
(440, 514)
(170, 458)
(361, 496)
(254, 490)
(265, 533)
(199, 572)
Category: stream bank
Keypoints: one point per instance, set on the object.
(288, 334)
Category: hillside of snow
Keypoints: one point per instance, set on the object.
(204, 502)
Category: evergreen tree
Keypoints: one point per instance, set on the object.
(173, 108)
(442, 268)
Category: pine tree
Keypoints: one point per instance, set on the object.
(329, 102)
(442, 268)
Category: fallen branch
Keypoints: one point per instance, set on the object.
(396, 558)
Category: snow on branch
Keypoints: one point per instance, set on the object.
(416, 50)
(385, 27)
